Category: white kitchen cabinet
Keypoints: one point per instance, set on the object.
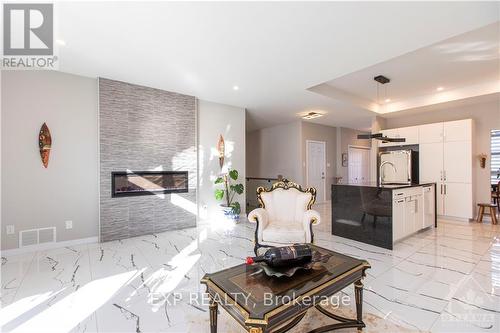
(398, 219)
(440, 198)
(429, 209)
(458, 201)
(457, 162)
(448, 161)
(430, 162)
(459, 130)
(409, 216)
(408, 211)
(411, 134)
(391, 133)
(418, 212)
(445, 158)
(431, 133)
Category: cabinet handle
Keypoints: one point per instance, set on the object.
(445, 189)
(441, 188)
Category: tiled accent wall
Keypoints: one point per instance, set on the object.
(144, 129)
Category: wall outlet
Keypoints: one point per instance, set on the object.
(9, 229)
(69, 224)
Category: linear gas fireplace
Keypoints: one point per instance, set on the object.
(126, 184)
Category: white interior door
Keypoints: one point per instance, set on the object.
(316, 160)
(359, 165)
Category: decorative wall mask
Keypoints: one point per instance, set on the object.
(44, 143)
(221, 150)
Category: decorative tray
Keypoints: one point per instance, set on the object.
(317, 258)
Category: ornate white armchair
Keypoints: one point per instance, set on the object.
(285, 216)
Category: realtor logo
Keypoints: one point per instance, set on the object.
(28, 36)
(28, 29)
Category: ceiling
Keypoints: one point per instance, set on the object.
(273, 51)
(464, 66)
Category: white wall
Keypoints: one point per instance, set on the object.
(35, 197)
(276, 151)
(215, 119)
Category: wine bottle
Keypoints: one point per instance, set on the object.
(284, 256)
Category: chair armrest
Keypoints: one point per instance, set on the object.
(311, 217)
(259, 216)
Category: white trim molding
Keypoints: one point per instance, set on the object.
(48, 246)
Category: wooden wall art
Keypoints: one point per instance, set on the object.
(221, 149)
(44, 143)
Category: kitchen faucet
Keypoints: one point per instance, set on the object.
(381, 169)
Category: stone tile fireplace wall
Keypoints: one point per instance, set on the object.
(142, 129)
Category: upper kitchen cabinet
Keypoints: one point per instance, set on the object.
(459, 130)
(431, 133)
(390, 133)
(411, 135)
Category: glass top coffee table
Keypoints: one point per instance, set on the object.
(270, 304)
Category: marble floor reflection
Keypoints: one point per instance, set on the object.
(440, 280)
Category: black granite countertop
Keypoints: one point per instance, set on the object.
(387, 186)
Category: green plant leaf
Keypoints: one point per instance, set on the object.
(219, 194)
(233, 174)
(238, 188)
(236, 207)
(219, 180)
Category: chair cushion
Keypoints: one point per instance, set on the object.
(286, 205)
(280, 232)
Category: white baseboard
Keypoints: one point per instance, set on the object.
(48, 246)
(451, 219)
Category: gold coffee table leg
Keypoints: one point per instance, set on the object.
(213, 315)
(358, 293)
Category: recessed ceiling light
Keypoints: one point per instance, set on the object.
(387, 100)
(312, 115)
(60, 42)
(439, 88)
(236, 88)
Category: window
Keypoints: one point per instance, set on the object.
(495, 156)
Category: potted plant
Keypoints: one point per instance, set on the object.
(230, 188)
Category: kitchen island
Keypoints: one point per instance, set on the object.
(382, 215)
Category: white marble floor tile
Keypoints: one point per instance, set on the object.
(13, 271)
(443, 280)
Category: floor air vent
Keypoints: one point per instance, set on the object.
(37, 236)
